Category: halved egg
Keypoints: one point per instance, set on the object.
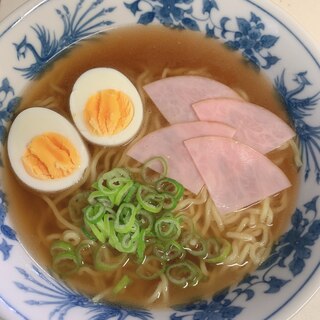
(106, 107)
(45, 150)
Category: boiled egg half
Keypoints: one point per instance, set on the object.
(106, 107)
(45, 150)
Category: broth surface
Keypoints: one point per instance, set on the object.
(132, 51)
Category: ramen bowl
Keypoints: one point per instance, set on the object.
(34, 35)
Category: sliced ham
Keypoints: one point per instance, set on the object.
(174, 96)
(235, 174)
(256, 126)
(168, 142)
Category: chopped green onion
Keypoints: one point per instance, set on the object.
(149, 199)
(141, 247)
(125, 217)
(99, 223)
(121, 285)
(145, 220)
(94, 213)
(108, 187)
(117, 183)
(129, 241)
(122, 192)
(171, 186)
(65, 263)
(184, 274)
(114, 179)
(76, 204)
(124, 242)
(106, 223)
(59, 246)
(151, 268)
(131, 194)
(106, 259)
(64, 258)
(82, 250)
(169, 201)
(113, 238)
(88, 233)
(98, 196)
(195, 244)
(99, 234)
(149, 164)
(169, 251)
(167, 228)
(132, 220)
(222, 252)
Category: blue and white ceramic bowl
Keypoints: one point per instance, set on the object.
(36, 32)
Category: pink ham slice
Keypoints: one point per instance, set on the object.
(235, 174)
(168, 142)
(174, 96)
(256, 126)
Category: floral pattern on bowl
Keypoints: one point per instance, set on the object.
(262, 35)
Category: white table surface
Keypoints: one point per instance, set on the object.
(307, 14)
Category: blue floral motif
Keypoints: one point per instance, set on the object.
(77, 25)
(171, 13)
(294, 247)
(63, 299)
(291, 251)
(299, 109)
(219, 308)
(8, 105)
(251, 41)
(249, 37)
(6, 232)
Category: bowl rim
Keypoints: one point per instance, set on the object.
(297, 301)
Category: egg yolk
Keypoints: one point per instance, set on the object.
(50, 156)
(108, 112)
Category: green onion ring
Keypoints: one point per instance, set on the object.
(129, 241)
(121, 285)
(169, 201)
(99, 234)
(114, 178)
(149, 199)
(76, 204)
(131, 194)
(169, 251)
(148, 271)
(148, 164)
(125, 226)
(224, 251)
(65, 263)
(170, 186)
(184, 274)
(82, 246)
(122, 193)
(167, 228)
(103, 260)
(141, 246)
(145, 219)
(59, 246)
(195, 244)
(94, 213)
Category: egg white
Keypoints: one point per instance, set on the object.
(36, 121)
(98, 79)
